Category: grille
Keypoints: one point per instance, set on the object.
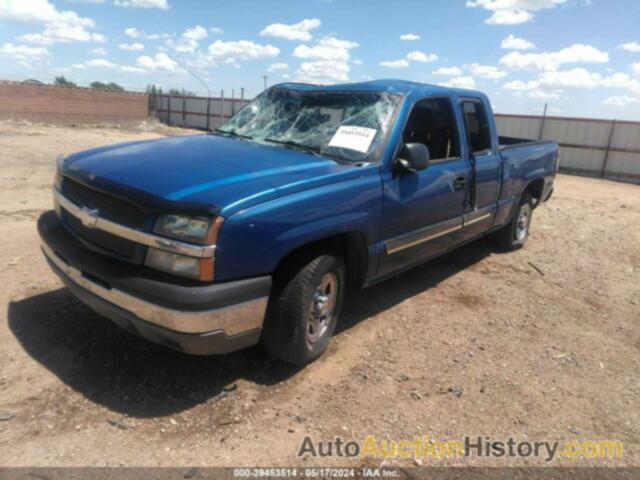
(112, 208)
(104, 240)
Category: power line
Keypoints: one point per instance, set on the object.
(192, 74)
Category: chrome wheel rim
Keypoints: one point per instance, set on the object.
(322, 306)
(522, 222)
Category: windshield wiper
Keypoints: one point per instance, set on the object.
(232, 133)
(317, 151)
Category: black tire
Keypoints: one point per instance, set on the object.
(287, 333)
(512, 236)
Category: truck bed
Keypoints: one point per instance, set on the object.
(512, 142)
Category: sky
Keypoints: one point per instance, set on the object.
(581, 57)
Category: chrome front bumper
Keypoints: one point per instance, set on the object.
(232, 320)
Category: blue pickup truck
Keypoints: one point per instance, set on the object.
(255, 232)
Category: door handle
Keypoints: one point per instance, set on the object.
(459, 183)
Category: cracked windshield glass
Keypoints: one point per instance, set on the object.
(348, 126)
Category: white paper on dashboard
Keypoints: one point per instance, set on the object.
(353, 138)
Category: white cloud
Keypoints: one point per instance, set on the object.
(577, 53)
(22, 52)
(519, 85)
(357, 61)
(161, 4)
(158, 63)
(216, 30)
(189, 42)
(59, 26)
(448, 71)
(328, 48)
(298, 31)
(100, 62)
(622, 80)
(460, 82)
(421, 57)
(514, 43)
(486, 71)
(575, 78)
(544, 94)
(395, 64)
(509, 17)
(636, 68)
(101, 52)
(31, 11)
(409, 37)
(278, 66)
(131, 47)
(323, 72)
(532, 89)
(621, 101)
(241, 49)
(330, 61)
(512, 12)
(633, 47)
(133, 32)
(415, 56)
(103, 63)
(195, 33)
(62, 33)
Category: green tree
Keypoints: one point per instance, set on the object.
(111, 86)
(63, 82)
(181, 93)
(153, 89)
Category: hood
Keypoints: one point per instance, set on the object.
(202, 173)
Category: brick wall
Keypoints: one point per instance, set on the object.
(45, 103)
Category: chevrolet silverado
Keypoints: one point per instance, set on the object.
(255, 232)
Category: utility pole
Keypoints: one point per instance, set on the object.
(264, 77)
(542, 120)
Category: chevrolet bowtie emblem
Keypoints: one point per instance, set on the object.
(89, 217)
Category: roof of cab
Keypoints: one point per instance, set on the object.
(386, 85)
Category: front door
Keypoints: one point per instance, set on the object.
(423, 211)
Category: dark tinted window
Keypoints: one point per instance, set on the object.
(431, 123)
(477, 123)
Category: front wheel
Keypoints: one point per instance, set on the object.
(514, 235)
(304, 309)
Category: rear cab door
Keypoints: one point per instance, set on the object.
(481, 150)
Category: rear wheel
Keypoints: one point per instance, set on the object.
(514, 235)
(304, 309)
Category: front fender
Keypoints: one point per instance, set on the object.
(253, 241)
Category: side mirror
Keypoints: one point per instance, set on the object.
(413, 157)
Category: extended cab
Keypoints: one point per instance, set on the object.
(252, 233)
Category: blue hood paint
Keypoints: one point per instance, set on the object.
(206, 170)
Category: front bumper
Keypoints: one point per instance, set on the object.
(191, 317)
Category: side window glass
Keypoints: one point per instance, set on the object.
(477, 125)
(432, 123)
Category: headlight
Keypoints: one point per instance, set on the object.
(196, 229)
(191, 267)
(182, 227)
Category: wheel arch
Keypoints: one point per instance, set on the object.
(351, 246)
(536, 188)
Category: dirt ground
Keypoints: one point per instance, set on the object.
(539, 344)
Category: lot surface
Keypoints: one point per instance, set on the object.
(539, 344)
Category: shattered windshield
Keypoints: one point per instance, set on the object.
(347, 125)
